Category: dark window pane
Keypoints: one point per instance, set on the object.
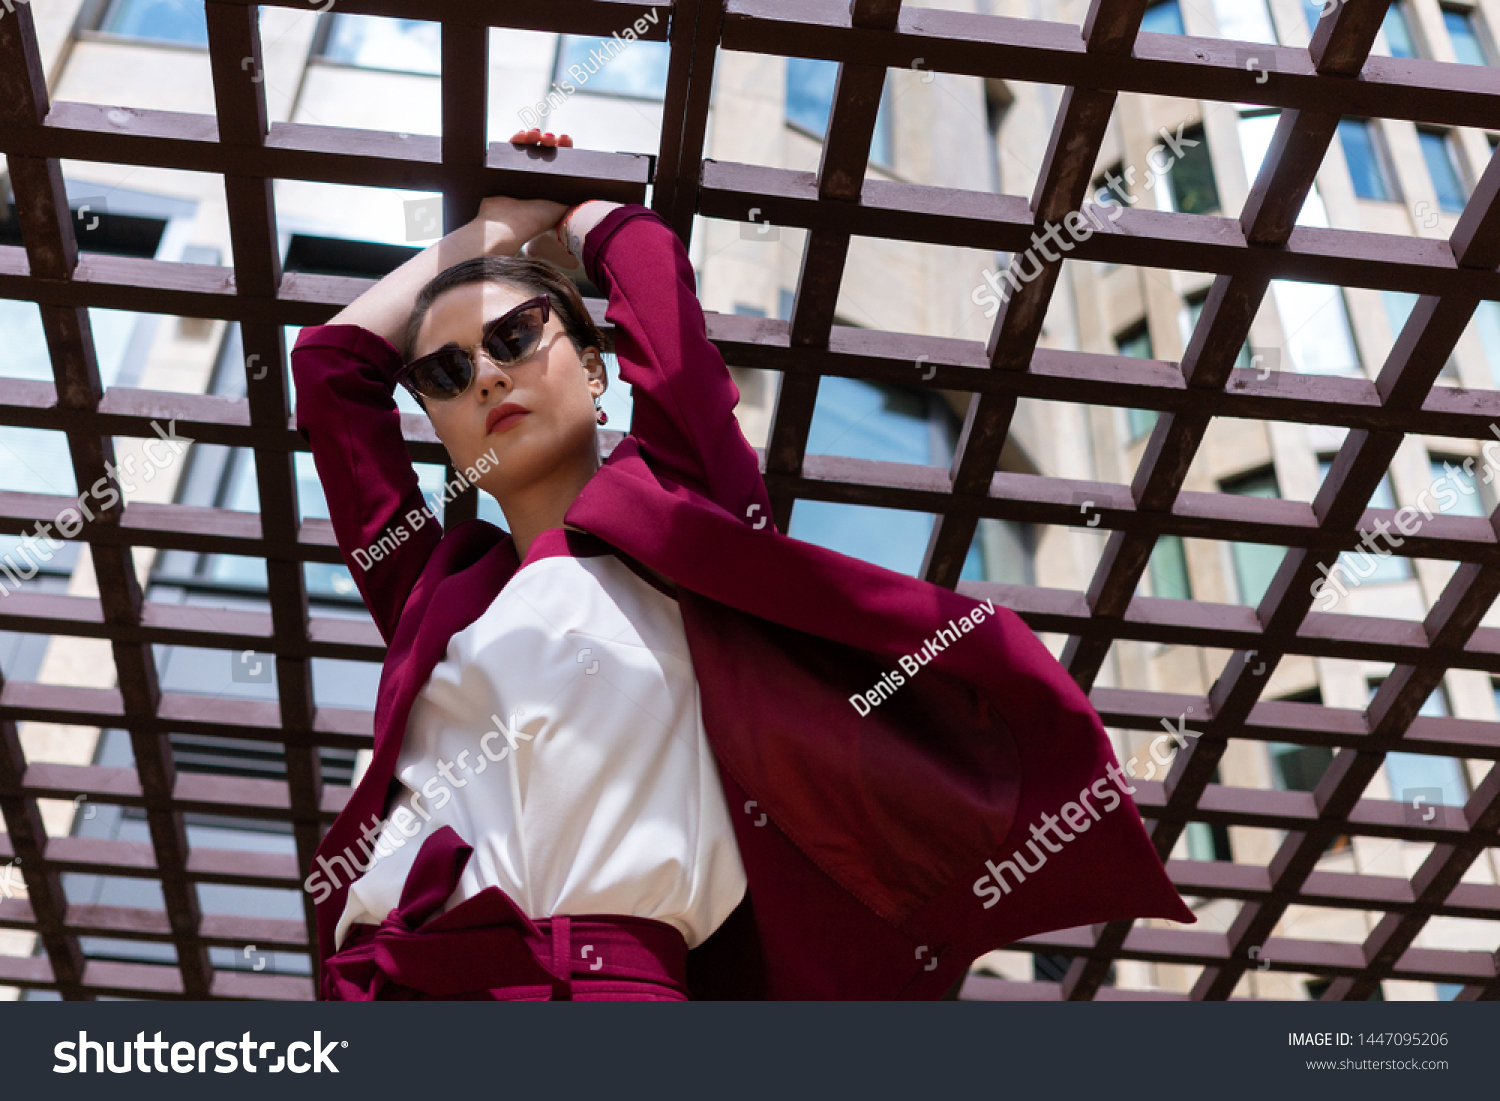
(1191, 179)
(1298, 767)
(1207, 841)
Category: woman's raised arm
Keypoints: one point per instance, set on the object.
(683, 395)
(345, 377)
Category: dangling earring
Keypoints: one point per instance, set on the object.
(599, 414)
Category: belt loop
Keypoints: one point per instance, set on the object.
(562, 957)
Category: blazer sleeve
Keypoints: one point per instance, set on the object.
(345, 378)
(683, 395)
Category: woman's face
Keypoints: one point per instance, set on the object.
(555, 386)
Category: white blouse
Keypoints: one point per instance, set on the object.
(562, 737)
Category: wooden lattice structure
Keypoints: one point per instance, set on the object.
(1334, 77)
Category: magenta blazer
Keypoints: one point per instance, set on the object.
(978, 803)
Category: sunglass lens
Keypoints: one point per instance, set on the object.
(516, 338)
(444, 376)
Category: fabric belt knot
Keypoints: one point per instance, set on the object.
(486, 947)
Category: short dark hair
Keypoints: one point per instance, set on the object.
(525, 274)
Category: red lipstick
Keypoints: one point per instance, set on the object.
(503, 416)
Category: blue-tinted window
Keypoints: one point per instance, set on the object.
(1313, 13)
(809, 101)
(1467, 46)
(1164, 18)
(1487, 324)
(861, 420)
(1451, 480)
(1398, 32)
(1366, 163)
(1437, 151)
(162, 20)
(604, 66)
(381, 42)
(1409, 773)
(1137, 343)
(1398, 306)
(1255, 564)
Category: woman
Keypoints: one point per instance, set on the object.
(643, 746)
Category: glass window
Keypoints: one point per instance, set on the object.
(1298, 767)
(1319, 340)
(163, 20)
(1163, 18)
(1205, 840)
(1366, 160)
(1408, 773)
(1313, 12)
(1190, 180)
(1137, 343)
(862, 420)
(1371, 566)
(603, 66)
(381, 42)
(1187, 321)
(1398, 36)
(1487, 324)
(34, 460)
(809, 101)
(997, 104)
(1169, 569)
(1449, 480)
(1442, 166)
(1464, 35)
(1244, 20)
(1208, 841)
(1255, 564)
(1398, 306)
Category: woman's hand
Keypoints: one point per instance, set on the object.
(506, 224)
(501, 228)
(547, 140)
